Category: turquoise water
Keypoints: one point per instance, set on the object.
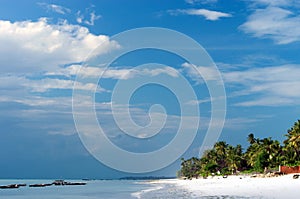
(98, 189)
(94, 189)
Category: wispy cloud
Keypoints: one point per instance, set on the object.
(113, 72)
(43, 84)
(268, 86)
(80, 18)
(207, 14)
(201, 1)
(276, 20)
(201, 73)
(93, 18)
(275, 3)
(55, 8)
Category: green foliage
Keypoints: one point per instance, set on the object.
(261, 162)
(292, 145)
(261, 154)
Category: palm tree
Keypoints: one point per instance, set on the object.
(221, 150)
(251, 139)
(265, 153)
(292, 143)
(234, 158)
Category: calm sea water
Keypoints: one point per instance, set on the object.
(98, 189)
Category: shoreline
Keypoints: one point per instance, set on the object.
(240, 186)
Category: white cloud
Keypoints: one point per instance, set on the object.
(55, 8)
(240, 123)
(112, 72)
(275, 2)
(48, 84)
(79, 17)
(201, 1)
(269, 86)
(208, 14)
(267, 101)
(277, 21)
(93, 18)
(28, 46)
(41, 85)
(199, 73)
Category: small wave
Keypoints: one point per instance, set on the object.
(140, 193)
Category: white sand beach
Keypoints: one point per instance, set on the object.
(242, 186)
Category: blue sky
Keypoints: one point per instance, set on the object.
(254, 44)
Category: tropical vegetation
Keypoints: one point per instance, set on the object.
(260, 156)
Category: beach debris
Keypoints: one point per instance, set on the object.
(278, 173)
(253, 176)
(296, 176)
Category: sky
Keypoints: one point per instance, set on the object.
(46, 46)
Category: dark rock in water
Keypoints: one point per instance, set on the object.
(75, 183)
(59, 182)
(56, 182)
(62, 182)
(22, 185)
(40, 185)
(296, 176)
(11, 186)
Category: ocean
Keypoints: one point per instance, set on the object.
(112, 189)
(98, 189)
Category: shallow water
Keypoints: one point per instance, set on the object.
(112, 189)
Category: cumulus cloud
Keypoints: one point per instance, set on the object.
(276, 20)
(207, 14)
(28, 46)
